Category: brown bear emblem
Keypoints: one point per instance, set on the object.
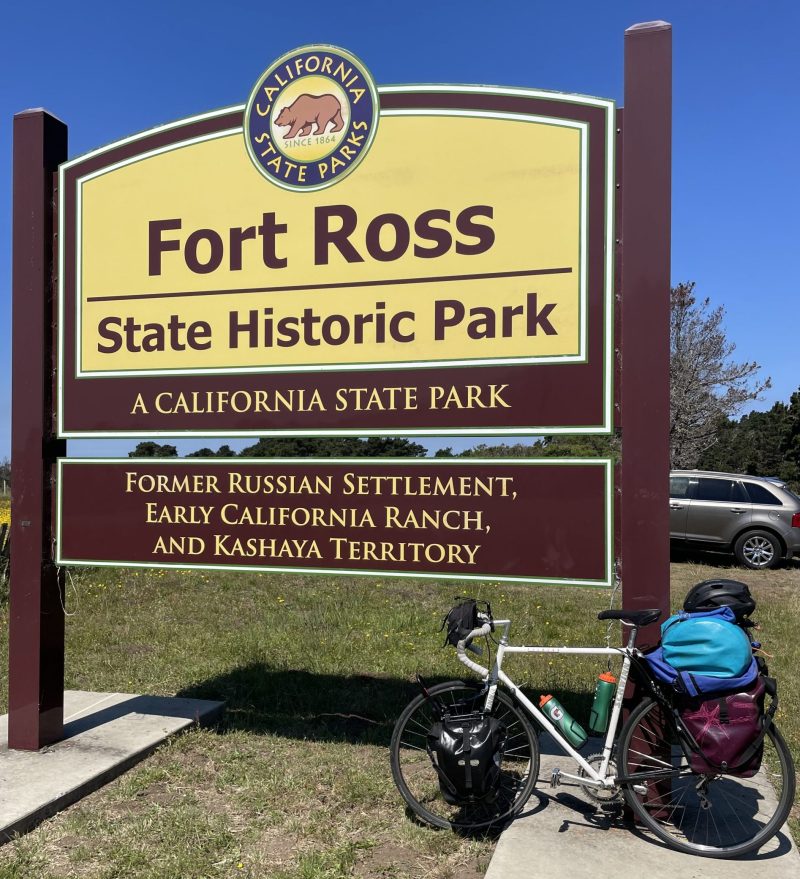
(307, 110)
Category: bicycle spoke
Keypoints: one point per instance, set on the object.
(645, 756)
(424, 728)
(710, 813)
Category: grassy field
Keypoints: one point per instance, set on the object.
(295, 783)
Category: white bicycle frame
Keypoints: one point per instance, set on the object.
(594, 777)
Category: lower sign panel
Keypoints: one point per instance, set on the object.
(537, 521)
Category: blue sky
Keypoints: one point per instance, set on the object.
(109, 70)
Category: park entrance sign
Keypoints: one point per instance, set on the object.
(335, 258)
(423, 260)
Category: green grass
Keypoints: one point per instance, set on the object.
(295, 783)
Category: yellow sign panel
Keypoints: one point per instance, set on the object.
(460, 239)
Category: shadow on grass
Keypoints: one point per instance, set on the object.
(306, 705)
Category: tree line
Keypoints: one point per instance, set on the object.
(297, 447)
(760, 443)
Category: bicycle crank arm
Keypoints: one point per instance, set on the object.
(584, 781)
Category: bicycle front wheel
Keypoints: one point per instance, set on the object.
(715, 816)
(418, 782)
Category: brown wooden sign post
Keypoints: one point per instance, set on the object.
(36, 626)
(645, 283)
(472, 310)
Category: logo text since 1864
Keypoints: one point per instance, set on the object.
(311, 118)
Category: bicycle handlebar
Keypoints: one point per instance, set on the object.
(466, 644)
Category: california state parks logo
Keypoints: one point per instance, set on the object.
(311, 117)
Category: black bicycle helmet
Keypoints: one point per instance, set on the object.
(715, 593)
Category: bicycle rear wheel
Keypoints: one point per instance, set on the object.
(418, 782)
(715, 816)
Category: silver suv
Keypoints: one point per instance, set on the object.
(758, 518)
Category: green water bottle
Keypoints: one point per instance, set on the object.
(603, 695)
(572, 730)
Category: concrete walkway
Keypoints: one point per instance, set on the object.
(560, 835)
(105, 734)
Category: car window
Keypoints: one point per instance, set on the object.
(726, 490)
(739, 493)
(679, 486)
(760, 495)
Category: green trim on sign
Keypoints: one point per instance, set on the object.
(581, 356)
(611, 233)
(498, 432)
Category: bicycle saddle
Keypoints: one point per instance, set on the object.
(634, 617)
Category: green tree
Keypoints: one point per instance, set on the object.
(581, 446)
(760, 443)
(792, 447)
(153, 450)
(567, 446)
(503, 450)
(224, 451)
(333, 447)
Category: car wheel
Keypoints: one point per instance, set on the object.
(758, 549)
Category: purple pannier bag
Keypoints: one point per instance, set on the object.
(725, 729)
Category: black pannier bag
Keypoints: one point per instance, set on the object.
(728, 730)
(466, 751)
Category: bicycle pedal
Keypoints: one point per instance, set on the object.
(555, 777)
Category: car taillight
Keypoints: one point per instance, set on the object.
(796, 520)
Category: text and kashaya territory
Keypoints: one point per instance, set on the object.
(528, 521)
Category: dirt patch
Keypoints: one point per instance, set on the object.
(389, 858)
(276, 847)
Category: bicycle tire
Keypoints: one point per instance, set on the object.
(418, 783)
(722, 816)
